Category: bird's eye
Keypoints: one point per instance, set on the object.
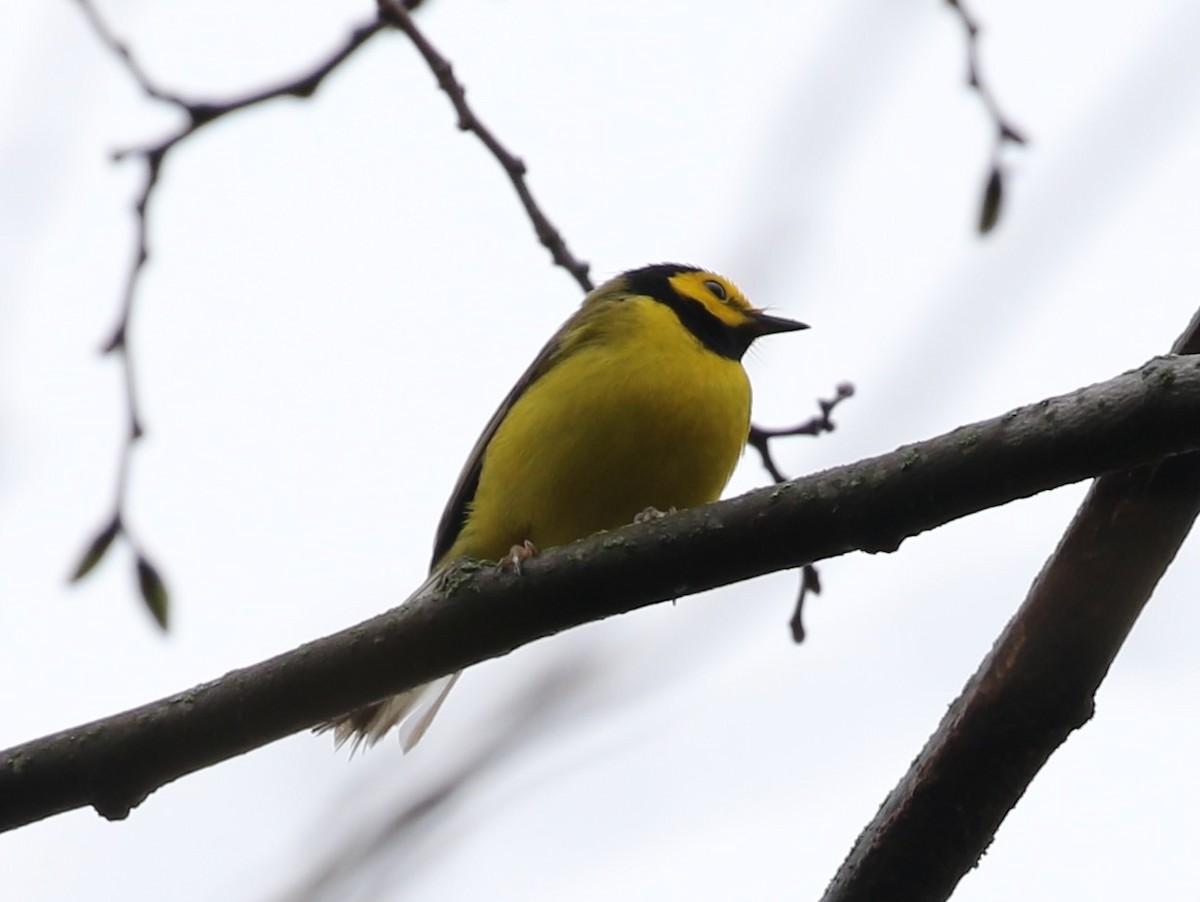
(717, 289)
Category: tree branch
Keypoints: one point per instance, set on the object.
(199, 114)
(114, 763)
(393, 12)
(1033, 689)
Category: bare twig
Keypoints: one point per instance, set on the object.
(760, 441)
(810, 583)
(199, 114)
(760, 437)
(1006, 132)
(873, 505)
(121, 50)
(395, 14)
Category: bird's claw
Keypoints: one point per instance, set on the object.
(517, 555)
(652, 513)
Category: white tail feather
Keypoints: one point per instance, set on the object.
(432, 696)
(413, 710)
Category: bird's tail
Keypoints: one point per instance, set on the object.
(413, 710)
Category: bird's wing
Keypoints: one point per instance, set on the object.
(454, 517)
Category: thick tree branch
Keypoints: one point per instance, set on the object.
(1033, 689)
(114, 763)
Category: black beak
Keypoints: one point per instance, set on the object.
(765, 324)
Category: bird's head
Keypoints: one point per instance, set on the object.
(708, 304)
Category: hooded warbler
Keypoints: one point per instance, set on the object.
(638, 402)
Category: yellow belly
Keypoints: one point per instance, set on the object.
(646, 417)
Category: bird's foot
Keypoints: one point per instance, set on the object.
(652, 513)
(517, 555)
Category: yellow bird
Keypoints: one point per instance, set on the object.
(638, 402)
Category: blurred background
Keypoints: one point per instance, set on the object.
(341, 290)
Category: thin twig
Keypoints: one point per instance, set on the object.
(199, 114)
(395, 14)
(1005, 132)
(121, 50)
(760, 437)
(760, 441)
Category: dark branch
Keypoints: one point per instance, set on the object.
(1033, 689)
(395, 14)
(113, 764)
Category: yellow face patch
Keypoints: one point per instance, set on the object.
(717, 294)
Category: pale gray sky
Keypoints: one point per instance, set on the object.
(340, 292)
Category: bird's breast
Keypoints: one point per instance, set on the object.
(645, 418)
